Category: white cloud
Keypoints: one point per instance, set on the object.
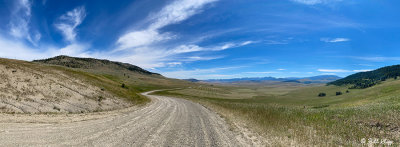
(173, 13)
(334, 40)
(139, 47)
(147, 60)
(187, 49)
(141, 38)
(76, 50)
(232, 45)
(20, 20)
(18, 50)
(247, 43)
(198, 58)
(176, 12)
(135, 45)
(280, 69)
(196, 48)
(378, 58)
(69, 22)
(142, 46)
(173, 64)
(225, 46)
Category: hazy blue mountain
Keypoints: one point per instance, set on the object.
(306, 80)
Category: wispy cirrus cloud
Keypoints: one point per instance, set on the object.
(19, 28)
(141, 38)
(20, 20)
(198, 58)
(173, 13)
(195, 48)
(68, 22)
(135, 44)
(377, 58)
(19, 23)
(143, 47)
(334, 40)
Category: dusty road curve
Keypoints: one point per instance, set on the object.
(165, 122)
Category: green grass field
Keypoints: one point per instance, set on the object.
(299, 116)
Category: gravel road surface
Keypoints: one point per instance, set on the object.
(166, 121)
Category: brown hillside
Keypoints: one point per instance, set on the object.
(32, 88)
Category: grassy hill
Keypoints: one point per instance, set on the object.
(370, 78)
(91, 63)
(131, 76)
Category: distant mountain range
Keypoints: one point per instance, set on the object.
(305, 80)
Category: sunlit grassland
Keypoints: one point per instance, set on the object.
(300, 116)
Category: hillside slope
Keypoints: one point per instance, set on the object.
(27, 87)
(134, 77)
(370, 78)
(91, 63)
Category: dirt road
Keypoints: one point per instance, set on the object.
(164, 122)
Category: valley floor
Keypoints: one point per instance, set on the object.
(299, 117)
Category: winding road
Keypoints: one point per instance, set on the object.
(166, 121)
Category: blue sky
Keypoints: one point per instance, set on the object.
(209, 39)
